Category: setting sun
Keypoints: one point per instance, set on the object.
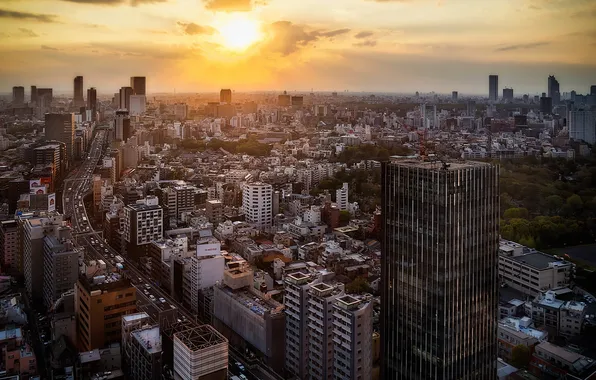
(238, 32)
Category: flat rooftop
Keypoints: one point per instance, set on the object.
(89, 356)
(538, 260)
(253, 302)
(149, 338)
(201, 337)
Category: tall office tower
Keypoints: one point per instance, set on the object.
(61, 127)
(341, 197)
(352, 337)
(257, 204)
(125, 94)
(553, 90)
(439, 299)
(61, 267)
(18, 96)
(92, 102)
(454, 95)
(121, 115)
(493, 87)
(508, 94)
(321, 298)
(582, 125)
(35, 229)
(546, 105)
(9, 245)
(138, 105)
(471, 108)
(78, 99)
(51, 153)
(100, 304)
(34, 94)
(138, 85)
(593, 90)
(225, 96)
(200, 353)
(143, 223)
(284, 100)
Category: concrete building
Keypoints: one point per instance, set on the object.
(530, 271)
(138, 85)
(18, 96)
(180, 199)
(214, 211)
(119, 120)
(138, 105)
(100, 303)
(582, 125)
(225, 96)
(341, 197)
(145, 354)
(180, 112)
(143, 223)
(352, 338)
(200, 353)
(61, 127)
(124, 97)
(92, 102)
(513, 332)
(61, 267)
(207, 269)
(9, 245)
(257, 204)
(493, 87)
(78, 99)
(131, 323)
(557, 317)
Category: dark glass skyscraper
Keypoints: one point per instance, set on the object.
(92, 101)
(225, 96)
(139, 85)
(493, 87)
(78, 99)
(439, 296)
(554, 90)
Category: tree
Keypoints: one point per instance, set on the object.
(358, 286)
(344, 217)
(516, 212)
(553, 204)
(520, 356)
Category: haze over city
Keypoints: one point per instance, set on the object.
(356, 45)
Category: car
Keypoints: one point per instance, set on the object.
(243, 377)
(240, 366)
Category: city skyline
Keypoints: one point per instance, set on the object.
(203, 46)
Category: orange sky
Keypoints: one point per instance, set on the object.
(359, 45)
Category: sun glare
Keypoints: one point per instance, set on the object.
(238, 32)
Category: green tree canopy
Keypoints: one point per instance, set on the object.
(520, 356)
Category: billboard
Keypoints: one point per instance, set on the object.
(52, 202)
(38, 189)
(209, 249)
(34, 183)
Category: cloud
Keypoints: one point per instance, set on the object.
(38, 17)
(367, 43)
(132, 3)
(46, 47)
(287, 37)
(193, 29)
(28, 33)
(229, 5)
(522, 46)
(144, 50)
(363, 34)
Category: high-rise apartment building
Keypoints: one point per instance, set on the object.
(143, 223)
(78, 99)
(138, 85)
(92, 102)
(53, 154)
(225, 96)
(9, 245)
(554, 90)
(138, 105)
(34, 94)
(119, 120)
(144, 362)
(341, 197)
(257, 204)
(61, 267)
(493, 87)
(582, 125)
(124, 96)
(100, 303)
(18, 96)
(61, 127)
(439, 298)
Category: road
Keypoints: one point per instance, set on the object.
(76, 186)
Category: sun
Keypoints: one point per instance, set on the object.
(238, 32)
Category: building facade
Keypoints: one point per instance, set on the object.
(257, 204)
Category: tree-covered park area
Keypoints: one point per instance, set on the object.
(249, 146)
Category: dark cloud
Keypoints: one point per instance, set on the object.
(289, 37)
(364, 34)
(367, 43)
(229, 5)
(28, 33)
(193, 29)
(46, 47)
(522, 46)
(132, 3)
(4, 13)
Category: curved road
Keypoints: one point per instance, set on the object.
(76, 186)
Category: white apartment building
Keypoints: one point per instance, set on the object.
(143, 221)
(257, 204)
(200, 353)
(61, 268)
(341, 197)
(582, 126)
(531, 271)
(352, 338)
(207, 270)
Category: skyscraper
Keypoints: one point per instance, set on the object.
(593, 90)
(78, 99)
(553, 90)
(125, 94)
(225, 96)
(33, 94)
(18, 96)
(138, 85)
(92, 101)
(507, 94)
(454, 96)
(493, 87)
(546, 105)
(61, 127)
(582, 125)
(439, 298)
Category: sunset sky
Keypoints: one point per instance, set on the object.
(356, 45)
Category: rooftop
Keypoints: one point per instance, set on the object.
(150, 338)
(539, 260)
(89, 356)
(201, 337)
(430, 164)
(254, 302)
